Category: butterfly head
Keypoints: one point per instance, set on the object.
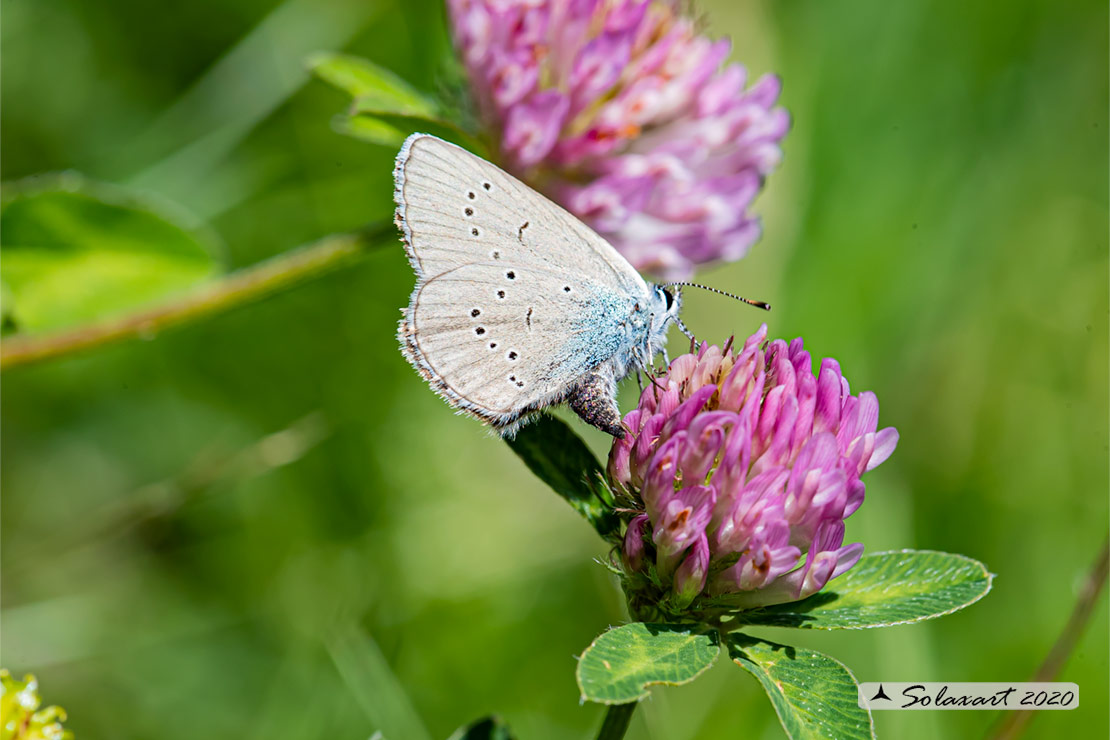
(666, 303)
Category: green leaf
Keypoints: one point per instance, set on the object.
(562, 460)
(884, 589)
(371, 129)
(385, 109)
(487, 728)
(622, 663)
(390, 129)
(814, 695)
(74, 251)
(373, 88)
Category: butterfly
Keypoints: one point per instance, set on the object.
(518, 305)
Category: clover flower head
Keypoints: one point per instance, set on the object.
(627, 116)
(741, 466)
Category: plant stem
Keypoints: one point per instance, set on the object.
(616, 721)
(247, 285)
(1015, 722)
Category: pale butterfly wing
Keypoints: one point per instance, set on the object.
(516, 299)
(499, 341)
(455, 208)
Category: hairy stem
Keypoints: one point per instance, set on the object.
(247, 285)
(616, 721)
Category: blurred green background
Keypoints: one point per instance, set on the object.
(264, 525)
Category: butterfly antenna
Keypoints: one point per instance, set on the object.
(758, 304)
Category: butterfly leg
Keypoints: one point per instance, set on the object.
(594, 400)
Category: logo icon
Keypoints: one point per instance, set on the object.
(880, 694)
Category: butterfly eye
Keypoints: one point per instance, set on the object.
(669, 299)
